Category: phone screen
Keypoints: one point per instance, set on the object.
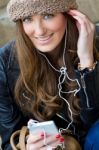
(47, 126)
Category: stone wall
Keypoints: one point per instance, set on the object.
(3, 3)
(90, 7)
(6, 27)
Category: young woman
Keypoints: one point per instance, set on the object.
(49, 73)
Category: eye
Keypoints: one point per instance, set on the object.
(27, 19)
(48, 16)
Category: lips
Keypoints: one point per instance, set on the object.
(44, 39)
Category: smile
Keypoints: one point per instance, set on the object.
(44, 39)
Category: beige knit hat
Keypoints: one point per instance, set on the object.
(18, 9)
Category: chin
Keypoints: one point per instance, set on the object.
(46, 49)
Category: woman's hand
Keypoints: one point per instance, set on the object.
(85, 41)
(39, 142)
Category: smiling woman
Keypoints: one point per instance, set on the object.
(50, 72)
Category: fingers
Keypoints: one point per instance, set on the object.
(86, 35)
(84, 25)
(52, 142)
(83, 22)
(36, 142)
(76, 12)
(32, 138)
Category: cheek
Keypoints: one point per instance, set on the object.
(59, 26)
(28, 29)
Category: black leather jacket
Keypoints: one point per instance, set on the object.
(11, 117)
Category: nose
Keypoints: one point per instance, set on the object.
(39, 29)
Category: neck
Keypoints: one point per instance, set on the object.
(56, 56)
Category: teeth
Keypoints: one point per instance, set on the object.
(45, 38)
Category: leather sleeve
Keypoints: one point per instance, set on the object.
(10, 116)
(89, 95)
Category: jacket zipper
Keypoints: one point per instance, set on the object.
(84, 87)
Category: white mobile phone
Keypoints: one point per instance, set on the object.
(48, 127)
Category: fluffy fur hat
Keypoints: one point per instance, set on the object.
(18, 9)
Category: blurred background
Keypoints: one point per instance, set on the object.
(7, 30)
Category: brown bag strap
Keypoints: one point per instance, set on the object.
(22, 137)
(12, 140)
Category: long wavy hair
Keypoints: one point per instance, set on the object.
(36, 88)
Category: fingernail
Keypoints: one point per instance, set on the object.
(42, 134)
(61, 139)
(57, 136)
